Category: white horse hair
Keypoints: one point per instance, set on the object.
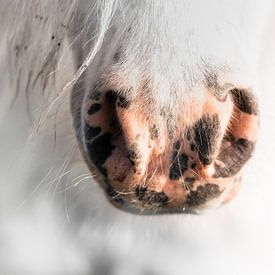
(54, 219)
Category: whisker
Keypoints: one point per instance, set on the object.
(75, 184)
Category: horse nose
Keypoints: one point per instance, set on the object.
(151, 166)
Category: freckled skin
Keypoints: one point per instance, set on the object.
(154, 132)
(188, 134)
(153, 166)
(91, 132)
(176, 146)
(207, 131)
(123, 102)
(192, 147)
(202, 194)
(245, 101)
(179, 166)
(94, 108)
(111, 96)
(133, 152)
(158, 199)
(100, 149)
(234, 154)
(115, 124)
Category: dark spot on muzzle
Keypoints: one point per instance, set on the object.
(202, 195)
(122, 102)
(133, 153)
(99, 150)
(115, 124)
(234, 154)
(111, 96)
(94, 108)
(207, 132)
(154, 133)
(170, 126)
(245, 101)
(192, 147)
(158, 199)
(91, 132)
(188, 134)
(178, 166)
(176, 146)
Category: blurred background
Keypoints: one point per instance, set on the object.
(55, 220)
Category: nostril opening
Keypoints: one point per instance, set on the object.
(101, 128)
(99, 150)
(113, 135)
(239, 141)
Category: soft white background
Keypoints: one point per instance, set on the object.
(49, 226)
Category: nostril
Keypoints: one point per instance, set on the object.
(100, 127)
(116, 137)
(239, 141)
(99, 150)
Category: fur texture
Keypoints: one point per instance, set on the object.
(54, 219)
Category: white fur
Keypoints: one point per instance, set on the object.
(54, 218)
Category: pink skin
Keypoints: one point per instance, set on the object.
(153, 156)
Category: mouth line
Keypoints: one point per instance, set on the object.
(115, 199)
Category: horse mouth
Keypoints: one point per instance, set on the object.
(149, 167)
